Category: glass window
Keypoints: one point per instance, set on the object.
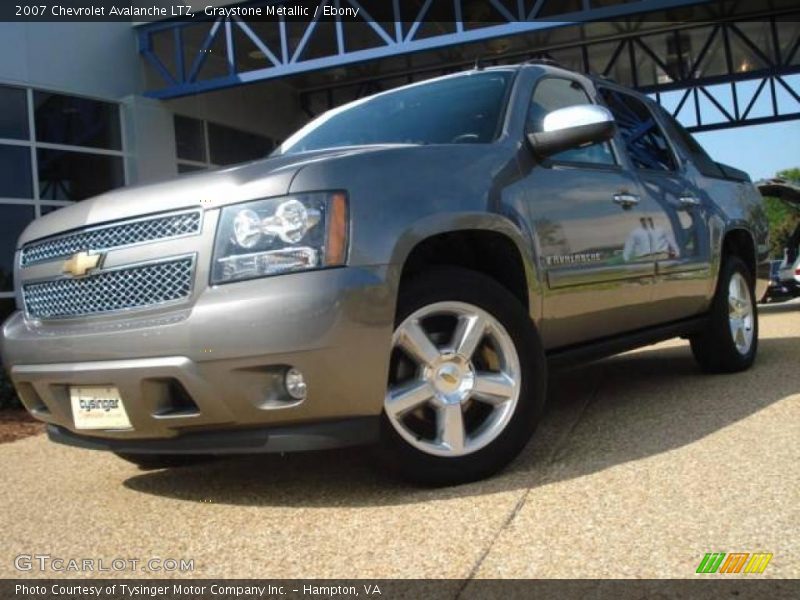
(645, 142)
(190, 141)
(230, 146)
(697, 153)
(13, 113)
(46, 209)
(77, 121)
(464, 109)
(7, 306)
(552, 93)
(77, 175)
(13, 219)
(15, 172)
(184, 168)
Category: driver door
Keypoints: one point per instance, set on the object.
(593, 242)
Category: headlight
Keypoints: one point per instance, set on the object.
(291, 233)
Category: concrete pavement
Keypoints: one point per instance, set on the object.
(642, 465)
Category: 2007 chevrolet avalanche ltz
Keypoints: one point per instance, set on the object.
(402, 271)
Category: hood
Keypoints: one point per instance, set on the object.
(212, 189)
(786, 190)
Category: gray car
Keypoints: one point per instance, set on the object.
(401, 272)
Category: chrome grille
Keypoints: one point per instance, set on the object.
(136, 286)
(117, 235)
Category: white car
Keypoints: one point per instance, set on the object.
(789, 272)
(784, 276)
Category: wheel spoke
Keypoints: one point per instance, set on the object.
(444, 380)
(401, 399)
(733, 307)
(416, 342)
(450, 424)
(468, 334)
(742, 285)
(740, 338)
(739, 330)
(493, 388)
(740, 313)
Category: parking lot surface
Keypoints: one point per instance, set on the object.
(641, 466)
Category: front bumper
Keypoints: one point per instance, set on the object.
(218, 365)
(290, 438)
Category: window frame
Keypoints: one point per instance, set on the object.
(33, 145)
(24, 90)
(91, 149)
(614, 166)
(198, 165)
(680, 143)
(206, 164)
(677, 160)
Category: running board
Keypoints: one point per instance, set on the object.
(583, 353)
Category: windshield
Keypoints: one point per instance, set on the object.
(465, 109)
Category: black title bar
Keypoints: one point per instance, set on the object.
(467, 12)
(712, 587)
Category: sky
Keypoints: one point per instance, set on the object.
(759, 150)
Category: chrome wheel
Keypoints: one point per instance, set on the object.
(740, 313)
(454, 380)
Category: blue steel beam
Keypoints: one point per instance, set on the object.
(709, 109)
(293, 63)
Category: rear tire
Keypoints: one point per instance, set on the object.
(472, 387)
(729, 341)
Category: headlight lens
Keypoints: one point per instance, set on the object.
(246, 228)
(279, 235)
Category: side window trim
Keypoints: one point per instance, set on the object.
(679, 156)
(616, 165)
(694, 151)
(677, 160)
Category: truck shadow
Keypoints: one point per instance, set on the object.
(616, 411)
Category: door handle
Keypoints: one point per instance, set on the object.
(626, 200)
(688, 201)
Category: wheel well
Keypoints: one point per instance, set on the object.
(739, 242)
(487, 252)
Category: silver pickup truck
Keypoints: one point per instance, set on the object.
(401, 272)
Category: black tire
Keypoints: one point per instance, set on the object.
(151, 462)
(462, 285)
(714, 348)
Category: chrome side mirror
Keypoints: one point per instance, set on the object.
(572, 127)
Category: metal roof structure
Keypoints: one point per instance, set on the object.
(713, 63)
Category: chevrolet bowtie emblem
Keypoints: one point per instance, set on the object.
(81, 263)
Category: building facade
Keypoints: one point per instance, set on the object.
(74, 122)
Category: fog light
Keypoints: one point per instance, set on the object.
(295, 384)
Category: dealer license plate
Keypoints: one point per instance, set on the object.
(98, 407)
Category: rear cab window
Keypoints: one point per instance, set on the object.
(645, 142)
(691, 146)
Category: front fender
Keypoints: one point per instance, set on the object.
(450, 222)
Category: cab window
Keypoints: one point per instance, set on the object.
(645, 141)
(697, 153)
(552, 93)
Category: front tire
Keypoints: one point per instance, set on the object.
(467, 379)
(729, 342)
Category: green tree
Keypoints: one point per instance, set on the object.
(783, 219)
(792, 174)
